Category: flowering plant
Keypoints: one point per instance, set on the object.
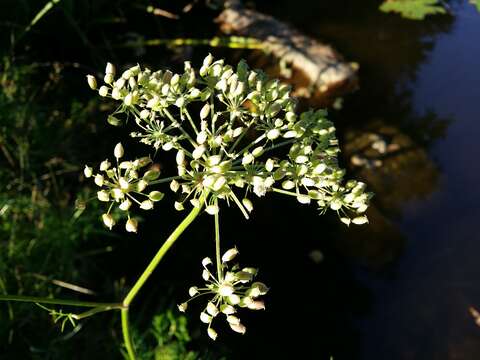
(235, 136)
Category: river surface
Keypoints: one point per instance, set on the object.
(406, 287)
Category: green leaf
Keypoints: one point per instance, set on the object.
(414, 9)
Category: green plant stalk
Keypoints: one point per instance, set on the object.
(149, 270)
(217, 244)
(44, 300)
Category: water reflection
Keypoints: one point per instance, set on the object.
(421, 241)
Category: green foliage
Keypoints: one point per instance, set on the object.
(167, 338)
(413, 9)
(40, 229)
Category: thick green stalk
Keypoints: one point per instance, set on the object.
(149, 270)
(126, 335)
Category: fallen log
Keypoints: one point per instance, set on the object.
(317, 72)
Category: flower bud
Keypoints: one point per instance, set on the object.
(320, 168)
(231, 319)
(208, 60)
(226, 289)
(104, 165)
(118, 152)
(256, 305)
(141, 185)
(206, 261)
(227, 309)
(202, 137)
(273, 134)
(303, 199)
(146, 205)
(212, 209)
(212, 333)
(193, 291)
(239, 328)
(144, 114)
(212, 309)
(205, 318)
(174, 185)
(178, 206)
(108, 78)
(198, 152)
(335, 205)
(247, 159)
(110, 69)
(360, 220)
(118, 194)
(262, 288)
(205, 111)
(92, 82)
(346, 220)
(243, 276)
(88, 172)
(103, 91)
(180, 102)
(195, 203)
(151, 175)
(219, 183)
(99, 180)
(124, 184)
(248, 204)
(233, 299)
(183, 307)
(108, 220)
(229, 255)
(131, 225)
(180, 157)
(116, 93)
(102, 195)
(288, 185)
(155, 195)
(125, 205)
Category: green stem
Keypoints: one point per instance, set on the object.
(43, 300)
(149, 270)
(285, 192)
(126, 335)
(217, 244)
(94, 311)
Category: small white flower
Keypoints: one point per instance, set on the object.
(125, 205)
(104, 165)
(131, 225)
(193, 291)
(103, 91)
(239, 328)
(92, 82)
(108, 220)
(212, 333)
(99, 180)
(146, 205)
(205, 318)
(102, 195)
(229, 255)
(118, 151)
(88, 172)
(206, 261)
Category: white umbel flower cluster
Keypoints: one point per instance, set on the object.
(227, 128)
(229, 290)
(122, 185)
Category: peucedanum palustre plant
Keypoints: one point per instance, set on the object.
(235, 136)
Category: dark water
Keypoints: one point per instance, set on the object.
(404, 287)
